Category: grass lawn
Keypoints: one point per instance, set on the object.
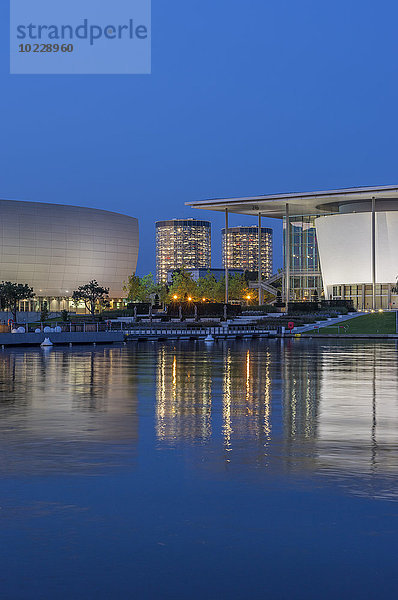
(372, 323)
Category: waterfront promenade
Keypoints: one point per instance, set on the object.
(126, 331)
(136, 334)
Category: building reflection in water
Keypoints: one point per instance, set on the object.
(183, 394)
(294, 405)
(301, 390)
(246, 397)
(63, 403)
(358, 418)
(297, 405)
(189, 402)
(301, 382)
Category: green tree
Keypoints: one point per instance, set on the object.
(132, 287)
(44, 313)
(148, 287)
(12, 293)
(237, 289)
(162, 290)
(206, 287)
(92, 294)
(219, 290)
(183, 287)
(140, 289)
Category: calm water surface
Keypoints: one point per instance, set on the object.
(234, 470)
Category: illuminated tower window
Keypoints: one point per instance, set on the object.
(182, 243)
(243, 249)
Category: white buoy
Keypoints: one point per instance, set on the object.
(46, 342)
(37, 330)
(47, 329)
(57, 329)
(21, 330)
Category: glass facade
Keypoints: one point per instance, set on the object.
(306, 277)
(305, 270)
(362, 295)
(182, 243)
(243, 249)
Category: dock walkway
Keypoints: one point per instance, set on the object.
(134, 334)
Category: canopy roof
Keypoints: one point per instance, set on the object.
(303, 203)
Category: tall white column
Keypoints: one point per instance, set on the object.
(287, 256)
(373, 253)
(226, 256)
(260, 266)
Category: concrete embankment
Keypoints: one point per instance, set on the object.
(35, 339)
(133, 335)
(349, 336)
(110, 337)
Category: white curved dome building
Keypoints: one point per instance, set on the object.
(341, 244)
(55, 248)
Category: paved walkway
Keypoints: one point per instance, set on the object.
(328, 323)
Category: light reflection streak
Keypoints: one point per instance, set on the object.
(248, 380)
(161, 392)
(279, 395)
(315, 408)
(267, 398)
(183, 396)
(227, 401)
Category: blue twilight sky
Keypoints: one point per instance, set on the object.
(245, 97)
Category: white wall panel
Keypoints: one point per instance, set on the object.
(50, 245)
(344, 244)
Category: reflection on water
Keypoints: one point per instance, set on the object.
(291, 407)
(184, 395)
(330, 408)
(199, 471)
(59, 407)
(358, 415)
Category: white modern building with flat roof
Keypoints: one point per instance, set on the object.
(341, 244)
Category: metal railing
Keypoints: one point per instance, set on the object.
(199, 331)
(166, 329)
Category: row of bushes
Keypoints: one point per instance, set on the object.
(297, 311)
(300, 318)
(324, 305)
